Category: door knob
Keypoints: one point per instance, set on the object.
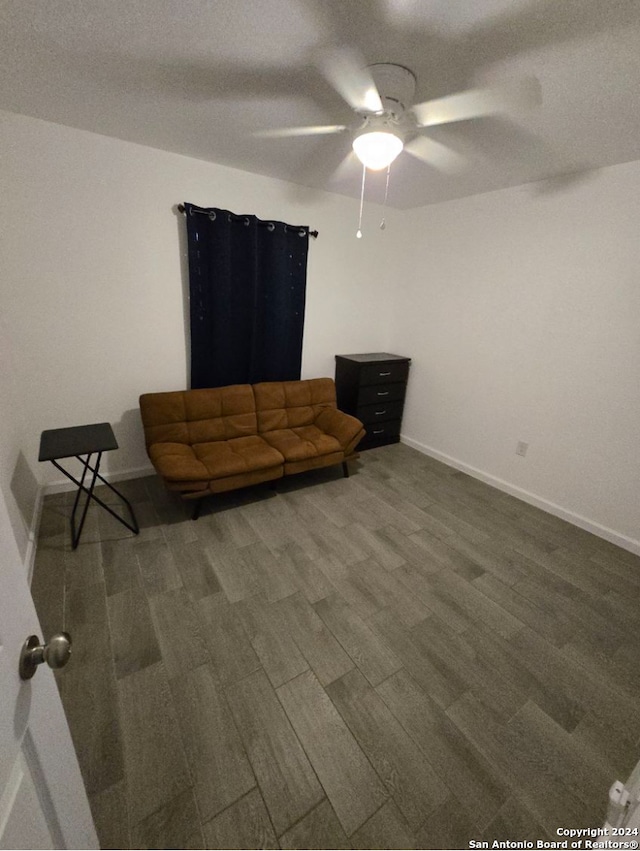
(55, 653)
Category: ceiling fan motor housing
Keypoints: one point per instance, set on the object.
(396, 85)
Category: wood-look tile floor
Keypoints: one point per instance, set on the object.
(407, 658)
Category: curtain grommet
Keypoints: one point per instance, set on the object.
(212, 216)
(271, 227)
(246, 221)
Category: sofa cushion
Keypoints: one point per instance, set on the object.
(239, 455)
(292, 404)
(300, 444)
(199, 416)
(214, 460)
(177, 462)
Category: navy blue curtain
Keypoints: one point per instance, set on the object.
(247, 285)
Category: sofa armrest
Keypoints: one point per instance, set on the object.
(347, 430)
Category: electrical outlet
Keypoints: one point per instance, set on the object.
(521, 448)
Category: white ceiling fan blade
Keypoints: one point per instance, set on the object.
(347, 73)
(474, 103)
(349, 166)
(287, 132)
(436, 154)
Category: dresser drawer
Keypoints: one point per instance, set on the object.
(380, 433)
(376, 393)
(384, 373)
(383, 411)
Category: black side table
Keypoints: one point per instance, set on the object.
(57, 443)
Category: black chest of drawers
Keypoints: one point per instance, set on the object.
(372, 387)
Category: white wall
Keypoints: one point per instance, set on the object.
(521, 313)
(92, 277)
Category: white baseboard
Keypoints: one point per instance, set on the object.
(63, 485)
(626, 543)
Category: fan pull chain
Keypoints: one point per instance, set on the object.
(383, 223)
(359, 231)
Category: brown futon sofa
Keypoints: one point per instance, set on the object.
(208, 441)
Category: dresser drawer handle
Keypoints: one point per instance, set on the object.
(378, 431)
(386, 393)
(383, 374)
(379, 413)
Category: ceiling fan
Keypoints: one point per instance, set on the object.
(388, 122)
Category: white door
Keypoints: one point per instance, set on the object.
(43, 803)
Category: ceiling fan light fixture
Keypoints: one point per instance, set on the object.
(377, 149)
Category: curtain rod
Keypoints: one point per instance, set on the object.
(181, 209)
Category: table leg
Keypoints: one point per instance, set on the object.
(75, 536)
(133, 527)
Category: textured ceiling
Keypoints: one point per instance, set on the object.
(199, 76)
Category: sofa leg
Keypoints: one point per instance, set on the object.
(345, 469)
(196, 508)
